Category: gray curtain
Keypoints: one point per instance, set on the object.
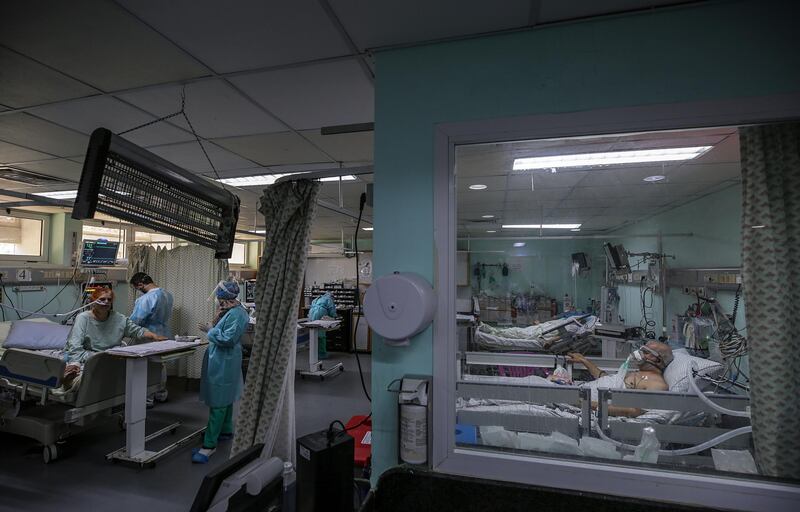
(266, 413)
(189, 273)
(771, 274)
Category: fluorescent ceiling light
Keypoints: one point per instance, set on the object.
(61, 194)
(541, 226)
(269, 179)
(758, 226)
(519, 244)
(575, 229)
(655, 178)
(609, 158)
(487, 216)
(491, 231)
(348, 177)
(367, 229)
(477, 187)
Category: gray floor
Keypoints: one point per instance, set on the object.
(84, 480)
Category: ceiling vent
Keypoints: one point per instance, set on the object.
(27, 177)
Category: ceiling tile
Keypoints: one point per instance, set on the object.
(9, 153)
(214, 108)
(32, 132)
(556, 10)
(88, 114)
(189, 156)
(61, 168)
(274, 149)
(94, 41)
(375, 24)
(345, 147)
(309, 97)
(253, 34)
(24, 82)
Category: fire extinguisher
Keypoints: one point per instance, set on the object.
(414, 408)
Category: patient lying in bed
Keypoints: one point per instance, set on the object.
(648, 376)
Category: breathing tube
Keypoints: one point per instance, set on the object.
(36, 313)
(683, 451)
(710, 403)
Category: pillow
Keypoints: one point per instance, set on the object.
(5, 327)
(678, 373)
(37, 335)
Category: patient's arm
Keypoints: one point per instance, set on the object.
(579, 358)
(628, 412)
(76, 352)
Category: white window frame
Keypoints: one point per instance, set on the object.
(45, 237)
(605, 478)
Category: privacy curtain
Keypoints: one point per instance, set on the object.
(771, 274)
(190, 274)
(266, 413)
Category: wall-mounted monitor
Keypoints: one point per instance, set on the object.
(99, 252)
(617, 256)
(580, 259)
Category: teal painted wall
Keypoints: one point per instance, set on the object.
(543, 264)
(699, 52)
(716, 241)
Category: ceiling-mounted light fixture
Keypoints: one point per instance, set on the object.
(487, 216)
(609, 158)
(491, 231)
(541, 226)
(575, 229)
(61, 194)
(519, 244)
(477, 187)
(269, 179)
(368, 229)
(653, 179)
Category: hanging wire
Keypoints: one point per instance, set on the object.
(182, 112)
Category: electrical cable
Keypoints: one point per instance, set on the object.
(647, 325)
(72, 279)
(362, 201)
(31, 313)
(3, 286)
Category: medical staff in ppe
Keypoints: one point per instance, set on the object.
(152, 310)
(221, 381)
(321, 307)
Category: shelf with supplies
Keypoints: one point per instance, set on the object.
(343, 297)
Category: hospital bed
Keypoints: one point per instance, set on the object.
(36, 406)
(516, 413)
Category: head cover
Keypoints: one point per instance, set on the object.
(227, 290)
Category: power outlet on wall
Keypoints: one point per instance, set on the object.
(694, 291)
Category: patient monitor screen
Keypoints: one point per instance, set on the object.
(99, 252)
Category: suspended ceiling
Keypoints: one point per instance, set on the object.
(261, 78)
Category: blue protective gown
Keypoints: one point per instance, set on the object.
(153, 310)
(322, 306)
(221, 382)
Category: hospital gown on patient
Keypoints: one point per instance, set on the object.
(90, 335)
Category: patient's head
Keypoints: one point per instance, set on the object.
(655, 356)
(103, 300)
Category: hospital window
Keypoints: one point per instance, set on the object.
(593, 308)
(109, 232)
(22, 237)
(239, 255)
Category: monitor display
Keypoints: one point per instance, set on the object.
(99, 252)
(617, 256)
(581, 259)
